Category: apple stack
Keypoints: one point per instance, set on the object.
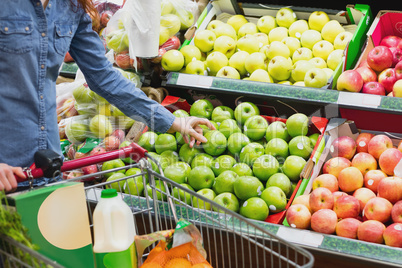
(281, 49)
(380, 73)
(358, 195)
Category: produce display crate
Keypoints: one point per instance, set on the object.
(380, 253)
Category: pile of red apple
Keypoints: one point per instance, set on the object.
(358, 195)
(380, 73)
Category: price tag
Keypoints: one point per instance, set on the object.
(303, 237)
(195, 80)
(358, 99)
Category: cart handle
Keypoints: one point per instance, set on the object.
(133, 150)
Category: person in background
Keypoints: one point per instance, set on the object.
(34, 38)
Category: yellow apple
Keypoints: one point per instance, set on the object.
(213, 24)
(277, 48)
(279, 68)
(171, 22)
(331, 29)
(228, 72)
(302, 53)
(248, 43)
(342, 39)
(317, 20)
(172, 60)
(225, 29)
(248, 28)
(334, 58)
(256, 60)
(322, 49)
(237, 21)
(238, 60)
(226, 45)
(277, 34)
(309, 38)
(190, 53)
(215, 61)
(261, 75)
(297, 28)
(292, 43)
(266, 23)
(205, 40)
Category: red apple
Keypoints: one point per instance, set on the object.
(172, 43)
(378, 144)
(378, 209)
(298, 216)
(123, 60)
(119, 133)
(347, 228)
(158, 58)
(398, 70)
(363, 195)
(347, 207)
(328, 181)
(364, 162)
(372, 178)
(321, 198)
(396, 212)
(91, 169)
(389, 159)
(363, 63)
(343, 146)
(303, 199)
(350, 80)
(390, 188)
(367, 74)
(338, 194)
(324, 221)
(399, 44)
(97, 150)
(74, 174)
(390, 41)
(400, 146)
(393, 235)
(371, 231)
(71, 151)
(111, 143)
(396, 55)
(374, 88)
(80, 155)
(379, 58)
(362, 142)
(350, 179)
(335, 165)
(387, 78)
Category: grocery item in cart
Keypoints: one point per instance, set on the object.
(114, 232)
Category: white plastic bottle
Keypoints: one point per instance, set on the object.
(114, 232)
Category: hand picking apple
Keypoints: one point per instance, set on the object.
(7, 178)
(191, 126)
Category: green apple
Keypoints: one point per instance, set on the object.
(213, 24)
(134, 171)
(322, 49)
(229, 126)
(180, 113)
(318, 62)
(277, 129)
(292, 43)
(237, 21)
(225, 29)
(119, 185)
(251, 152)
(278, 148)
(202, 108)
(285, 17)
(282, 181)
(168, 158)
(280, 68)
(275, 199)
(226, 45)
(76, 131)
(228, 72)
(187, 153)
(244, 111)
(221, 113)
(127, 160)
(171, 22)
(242, 169)
(205, 40)
(117, 40)
(199, 203)
(196, 67)
(179, 139)
(186, 18)
(302, 53)
(215, 61)
(260, 75)
(172, 61)
(206, 129)
(202, 159)
(190, 53)
(222, 163)
(111, 164)
(224, 183)
(256, 60)
(255, 127)
(334, 58)
(159, 189)
(247, 186)
(248, 43)
(236, 142)
(238, 60)
(134, 185)
(148, 140)
(262, 39)
(313, 138)
(216, 143)
(309, 38)
(266, 23)
(342, 40)
(176, 173)
(301, 146)
(227, 200)
(182, 195)
(100, 126)
(247, 28)
(330, 30)
(265, 166)
(293, 166)
(297, 125)
(300, 68)
(83, 94)
(297, 28)
(254, 208)
(157, 158)
(315, 77)
(201, 177)
(165, 142)
(278, 34)
(317, 20)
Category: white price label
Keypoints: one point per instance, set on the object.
(303, 237)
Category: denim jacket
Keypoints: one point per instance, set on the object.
(33, 42)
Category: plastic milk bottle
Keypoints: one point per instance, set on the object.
(114, 232)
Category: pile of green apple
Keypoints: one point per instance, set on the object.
(281, 49)
(247, 165)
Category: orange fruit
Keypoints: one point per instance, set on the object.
(151, 265)
(178, 263)
(201, 265)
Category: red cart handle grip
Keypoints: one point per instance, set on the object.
(133, 150)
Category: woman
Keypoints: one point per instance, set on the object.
(34, 37)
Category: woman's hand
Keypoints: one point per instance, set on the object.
(8, 182)
(190, 126)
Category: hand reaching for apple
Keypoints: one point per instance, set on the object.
(8, 181)
(190, 126)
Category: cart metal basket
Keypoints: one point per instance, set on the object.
(230, 240)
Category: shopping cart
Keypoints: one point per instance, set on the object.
(229, 239)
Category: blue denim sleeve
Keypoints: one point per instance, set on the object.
(87, 50)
